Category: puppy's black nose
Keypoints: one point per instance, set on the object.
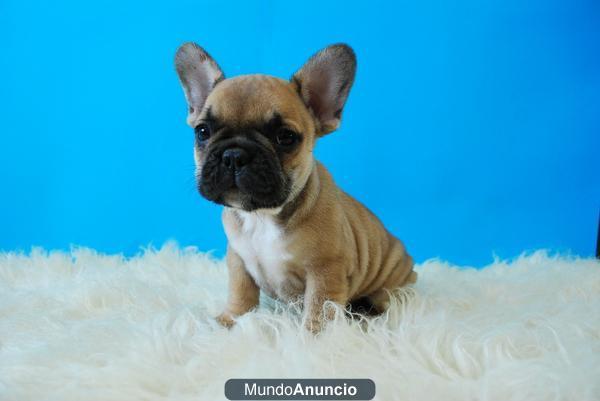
(235, 158)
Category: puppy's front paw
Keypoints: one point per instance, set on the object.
(225, 320)
(313, 325)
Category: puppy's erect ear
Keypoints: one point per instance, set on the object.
(324, 83)
(199, 74)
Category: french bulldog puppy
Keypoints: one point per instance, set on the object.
(291, 231)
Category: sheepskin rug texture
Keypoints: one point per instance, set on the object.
(80, 325)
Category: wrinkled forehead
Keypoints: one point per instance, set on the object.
(252, 99)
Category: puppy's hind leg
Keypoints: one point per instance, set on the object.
(381, 298)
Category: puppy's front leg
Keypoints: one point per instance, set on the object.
(322, 286)
(243, 291)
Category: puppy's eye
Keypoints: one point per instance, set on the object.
(286, 138)
(202, 132)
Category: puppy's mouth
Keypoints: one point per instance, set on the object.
(243, 175)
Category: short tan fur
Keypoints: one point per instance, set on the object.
(320, 244)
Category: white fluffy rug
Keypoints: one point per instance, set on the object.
(85, 326)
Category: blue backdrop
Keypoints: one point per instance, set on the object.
(473, 128)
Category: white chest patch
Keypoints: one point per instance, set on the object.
(261, 245)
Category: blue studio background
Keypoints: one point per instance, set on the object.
(472, 130)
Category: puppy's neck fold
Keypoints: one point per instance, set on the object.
(301, 203)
